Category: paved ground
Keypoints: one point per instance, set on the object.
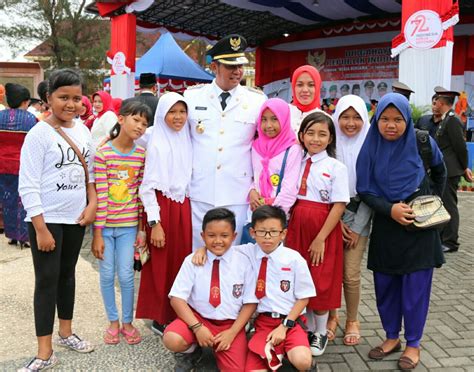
(448, 344)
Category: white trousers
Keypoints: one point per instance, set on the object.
(199, 209)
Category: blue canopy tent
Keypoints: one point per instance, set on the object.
(174, 69)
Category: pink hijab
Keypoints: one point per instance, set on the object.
(267, 147)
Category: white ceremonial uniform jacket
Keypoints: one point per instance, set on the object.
(222, 140)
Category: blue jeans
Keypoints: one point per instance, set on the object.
(118, 257)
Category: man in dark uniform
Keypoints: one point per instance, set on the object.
(148, 91)
(403, 89)
(430, 122)
(450, 139)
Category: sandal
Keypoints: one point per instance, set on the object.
(378, 353)
(333, 322)
(111, 336)
(355, 333)
(132, 337)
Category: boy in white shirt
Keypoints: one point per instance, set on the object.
(214, 301)
(283, 287)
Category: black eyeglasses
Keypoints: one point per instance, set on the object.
(263, 233)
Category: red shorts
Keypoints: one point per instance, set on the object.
(257, 357)
(229, 360)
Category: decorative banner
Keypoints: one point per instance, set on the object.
(425, 28)
(354, 62)
(121, 54)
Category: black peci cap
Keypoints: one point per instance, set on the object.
(230, 50)
(147, 79)
(382, 85)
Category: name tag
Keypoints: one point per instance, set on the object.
(201, 108)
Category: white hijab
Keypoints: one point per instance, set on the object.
(348, 148)
(168, 163)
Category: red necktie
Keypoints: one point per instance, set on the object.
(262, 278)
(304, 187)
(215, 290)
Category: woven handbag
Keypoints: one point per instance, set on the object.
(429, 213)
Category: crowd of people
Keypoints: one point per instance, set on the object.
(242, 209)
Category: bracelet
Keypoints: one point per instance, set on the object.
(195, 326)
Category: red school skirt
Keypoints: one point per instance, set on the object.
(158, 274)
(307, 219)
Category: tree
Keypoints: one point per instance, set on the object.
(75, 38)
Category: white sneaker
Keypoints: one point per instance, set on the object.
(318, 344)
(37, 364)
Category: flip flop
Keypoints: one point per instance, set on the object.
(111, 336)
(353, 334)
(331, 326)
(132, 337)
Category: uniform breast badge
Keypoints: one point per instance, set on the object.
(200, 127)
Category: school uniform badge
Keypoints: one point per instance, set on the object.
(324, 194)
(237, 290)
(285, 285)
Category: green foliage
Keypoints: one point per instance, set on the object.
(418, 111)
(74, 38)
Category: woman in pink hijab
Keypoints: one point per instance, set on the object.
(275, 183)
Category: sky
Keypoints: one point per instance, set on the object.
(5, 52)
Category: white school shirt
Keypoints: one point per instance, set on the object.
(288, 278)
(236, 282)
(327, 180)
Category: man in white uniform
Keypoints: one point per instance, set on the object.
(223, 117)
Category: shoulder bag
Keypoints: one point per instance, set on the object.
(70, 142)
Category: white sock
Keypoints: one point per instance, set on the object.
(190, 349)
(321, 323)
(310, 322)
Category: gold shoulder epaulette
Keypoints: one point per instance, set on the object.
(255, 90)
(195, 86)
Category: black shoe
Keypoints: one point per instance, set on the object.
(158, 328)
(318, 344)
(186, 362)
(447, 249)
(12, 242)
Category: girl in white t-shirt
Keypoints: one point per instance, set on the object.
(314, 229)
(59, 205)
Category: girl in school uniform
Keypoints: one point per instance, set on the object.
(352, 125)
(390, 173)
(276, 144)
(58, 204)
(305, 87)
(314, 229)
(164, 194)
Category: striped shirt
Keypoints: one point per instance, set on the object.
(117, 178)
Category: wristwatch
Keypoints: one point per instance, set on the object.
(288, 323)
(152, 223)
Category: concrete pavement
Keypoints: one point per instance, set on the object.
(448, 343)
